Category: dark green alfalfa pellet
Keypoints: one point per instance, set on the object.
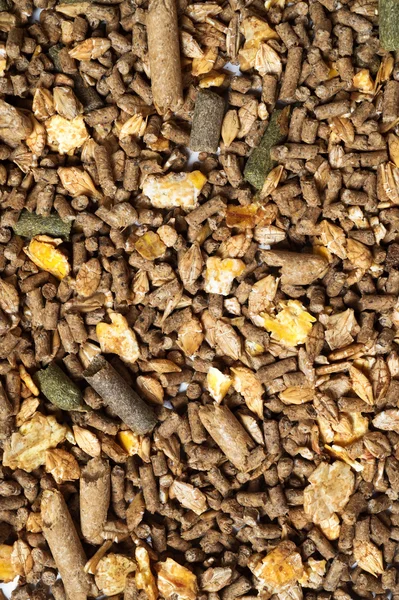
(388, 11)
(59, 389)
(31, 224)
(260, 164)
(207, 122)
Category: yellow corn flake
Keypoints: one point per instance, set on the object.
(26, 449)
(176, 580)
(280, 568)
(134, 444)
(174, 189)
(3, 59)
(212, 79)
(65, 135)
(253, 348)
(350, 428)
(218, 384)
(150, 246)
(145, 579)
(292, 324)
(8, 571)
(220, 273)
(368, 557)
(205, 63)
(363, 81)
(111, 573)
(78, 182)
(43, 251)
(118, 338)
(90, 49)
(248, 385)
(330, 487)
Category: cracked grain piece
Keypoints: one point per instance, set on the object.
(26, 449)
(279, 569)
(329, 491)
(189, 496)
(174, 189)
(111, 573)
(65, 135)
(292, 325)
(118, 338)
(220, 274)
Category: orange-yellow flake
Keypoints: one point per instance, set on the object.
(133, 443)
(43, 251)
(220, 273)
(218, 384)
(176, 580)
(174, 189)
(150, 246)
(118, 338)
(145, 580)
(292, 324)
(242, 216)
(7, 569)
(279, 569)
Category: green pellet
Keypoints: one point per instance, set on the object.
(388, 11)
(259, 163)
(59, 389)
(31, 224)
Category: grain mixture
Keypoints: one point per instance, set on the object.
(199, 372)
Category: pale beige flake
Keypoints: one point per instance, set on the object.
(111, 573)
(189, 496)
(66, 136)
(174, 189)
(26, 449)
(118, 338)
(220, 273)
(330, 487)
